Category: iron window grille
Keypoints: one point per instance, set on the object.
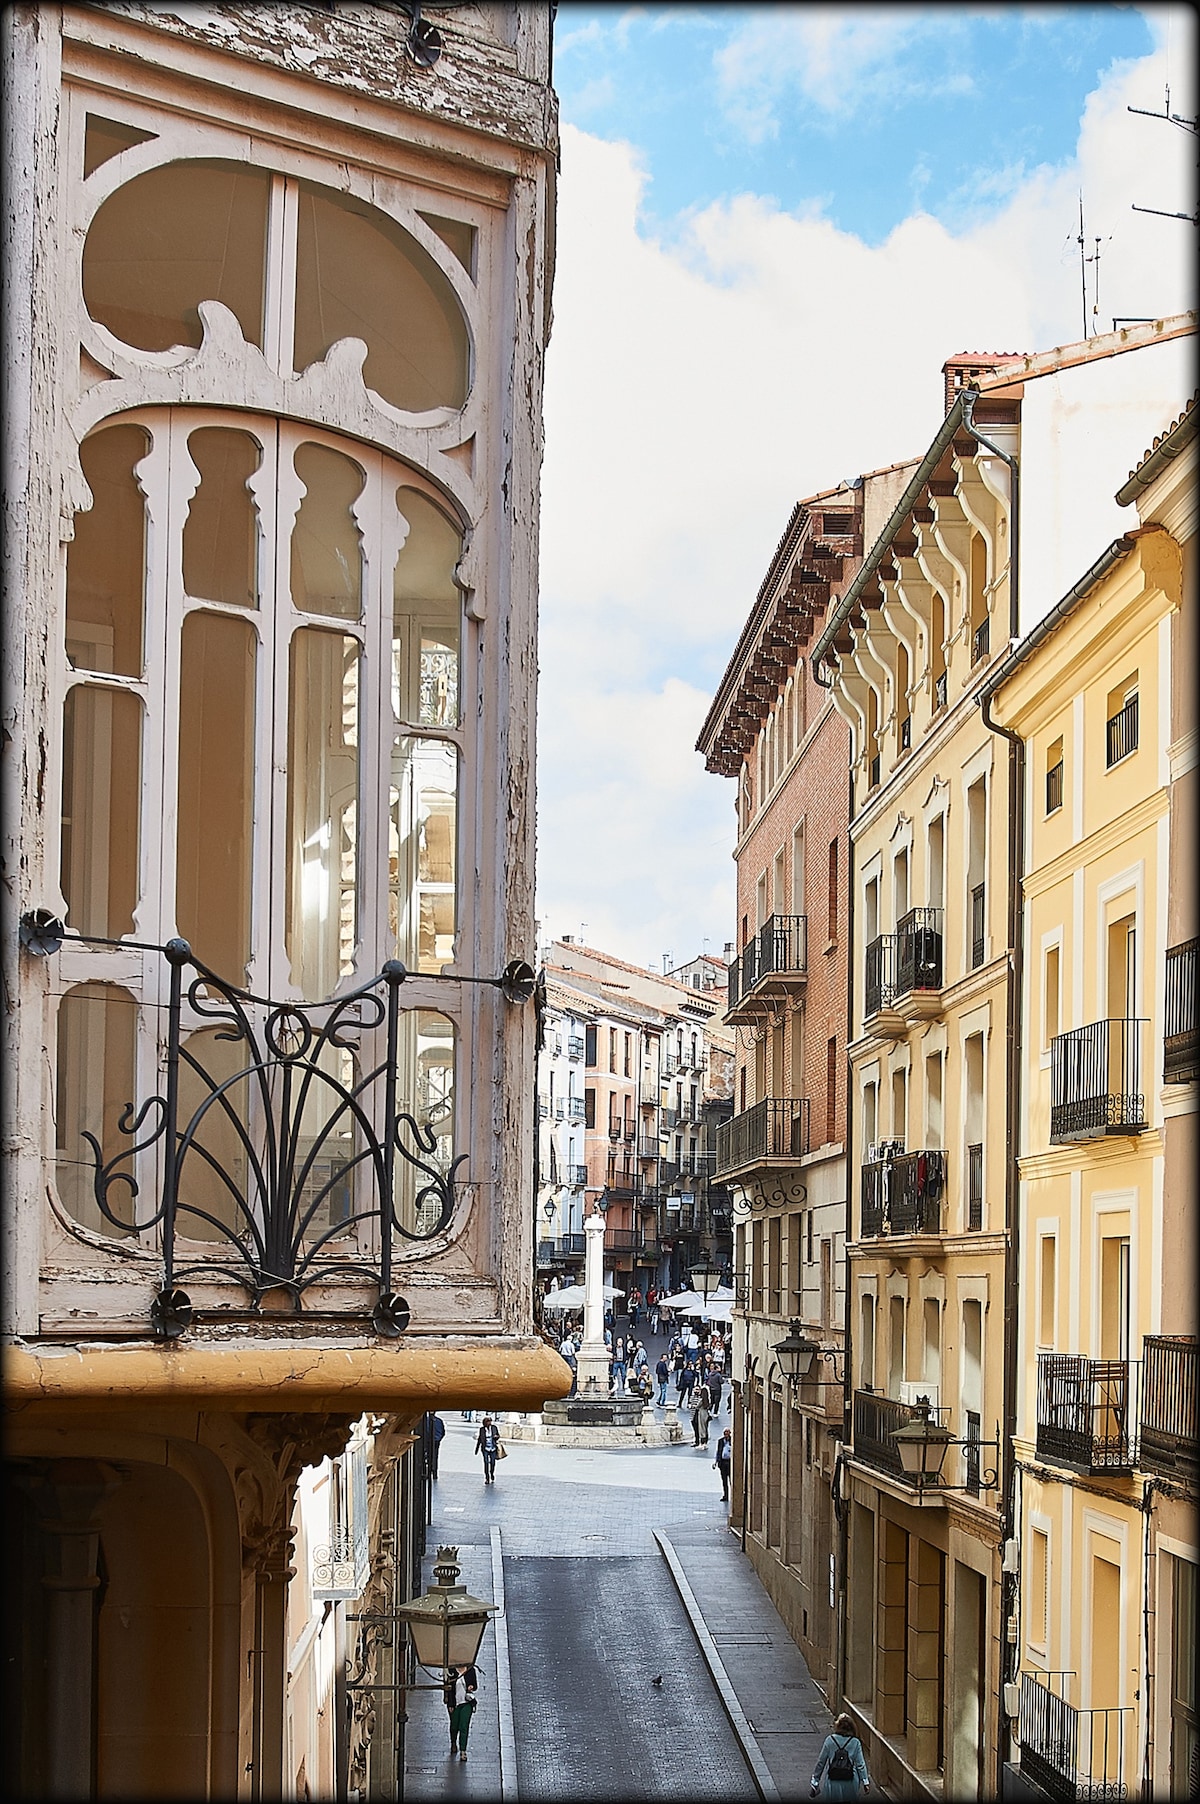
(980, 640)
(975, 1186)
(1121, 732)
(978, 925)
(1054, 787)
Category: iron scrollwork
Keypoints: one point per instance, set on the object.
(311, 1136)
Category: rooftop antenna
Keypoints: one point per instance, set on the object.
(1184, 124)
(1084, 260)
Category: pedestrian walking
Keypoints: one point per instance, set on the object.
(437, 1435)
(700, 1416)
(654, 1318)
(619, 1367)
(723, 1463)
(487, 1442)
(566, 1349)
(688, 1378)
(462, 1683)
(662, 1372)
(714, 1384)
(841, 1770)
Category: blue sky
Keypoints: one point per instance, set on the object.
(774, 226)
(868, 114)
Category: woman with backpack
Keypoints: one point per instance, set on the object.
(841, 1770)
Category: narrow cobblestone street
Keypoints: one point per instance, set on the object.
(581, 1547)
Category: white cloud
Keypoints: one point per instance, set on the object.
(696, 389)
(834, 60)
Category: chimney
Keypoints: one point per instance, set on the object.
(727, 955)
(965, 369)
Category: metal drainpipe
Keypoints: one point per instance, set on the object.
(1016, 844)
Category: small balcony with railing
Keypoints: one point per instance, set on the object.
(880, 1014)
(1181, 1055)
(917, 964)
(771, 966)
(876, 1419)
(1169, 1429)
(624, 1184)
(975, 1186)
(575, 1176)
(901, 1193)
(977, 934)
(576, 1108)
(575, 1046)
(1070, 1753)
(772, 1132)
(1096, 1081)
(1085, 1412)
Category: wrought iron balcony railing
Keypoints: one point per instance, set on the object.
(873, 1194)
(624, 1184)
(770, 965)
(572, 1246)
(575, 1175)
(623, 1240)
(574, 1046)
(1071, 1753)
(1169, 1429)
(774, 1129)
(918, 952)
(297, 1160)
(913, 1185)
(1096, 1081)
(1181, 1050)
(879, 982)
(1085, 1412)
(876, 1419)
(1121, 732)
(576, 1108)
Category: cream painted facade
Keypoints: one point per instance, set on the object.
(928, 1289)
(277, 306)
(1105, 1440)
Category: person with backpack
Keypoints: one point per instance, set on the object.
(841, 1770)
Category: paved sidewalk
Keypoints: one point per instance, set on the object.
(562, 1514)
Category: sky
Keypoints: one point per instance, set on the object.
(774, 225)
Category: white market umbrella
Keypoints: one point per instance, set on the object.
(574, 1295)
(686, 1300)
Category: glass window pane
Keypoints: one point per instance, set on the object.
(422, 852)
(426, 609)
(171, 238)
(326, 572)
(106, 559)
(216, 1188)
(220, 534)
(97, 1024)
(359, 275)
(214, 853)
(425, 1090)
(322, 806)
(102, 755)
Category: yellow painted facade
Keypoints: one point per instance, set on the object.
(1106, 1519)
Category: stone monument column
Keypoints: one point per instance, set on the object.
(592, 1359)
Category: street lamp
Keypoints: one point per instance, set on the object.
(705, 1279)
(795, 1354)
(446, 1625)
(922, 1445)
